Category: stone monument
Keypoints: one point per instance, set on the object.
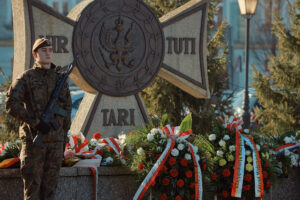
(122, 46)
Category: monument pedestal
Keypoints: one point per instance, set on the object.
(76, 184)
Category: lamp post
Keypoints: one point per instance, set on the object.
(247, 9)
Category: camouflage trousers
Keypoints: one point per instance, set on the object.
(40, 169)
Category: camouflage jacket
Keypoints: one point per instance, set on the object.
(27, 99)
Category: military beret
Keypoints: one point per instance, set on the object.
(39, 43)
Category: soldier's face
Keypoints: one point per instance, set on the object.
(44, 55)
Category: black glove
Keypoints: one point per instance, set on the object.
(43, 127)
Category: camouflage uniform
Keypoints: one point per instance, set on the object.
(26, 100)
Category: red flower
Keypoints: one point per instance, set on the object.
(178, 197)
(248, 177)
(265, 174)
(189, 174)
(226, 172)
(225, 194)
(192, 196)
(267, 164)
(97, 136)
(180, 183)
(111, 149)
(100, 152)
(214, 176)
(141, 166)
(163, 196)
(174, 173)
(157, 156)
(172, 161)
(166, 181)
(268, 184)
(204, 166)
(164, 168)
(68, 146)
(246, 187)
(183, 162)
(243, 198)
(192, 185)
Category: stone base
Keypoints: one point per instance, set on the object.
(76, 184)
(286, 188)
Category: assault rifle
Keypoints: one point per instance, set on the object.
(52, 107)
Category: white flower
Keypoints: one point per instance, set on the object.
(232, 148)
(226, 137)
(220, 153)
(154, 131)
(180, 146)
(287, 152)
(122, 138)
(287, 140)
(187, 156)
(222, 143)
(94, 142)
(150, 137)
(212, 137)
(248, 153)
(246, 130)
(258, 147)
(109, 160)
(175, 152)
(140, 151)
(280, 164)
(195, 148)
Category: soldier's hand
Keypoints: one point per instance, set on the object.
(43, 127)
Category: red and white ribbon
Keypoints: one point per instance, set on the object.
(172, 133)
(234, 124)
(113, 144)
(290, 147)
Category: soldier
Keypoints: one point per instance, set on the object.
(26, 100)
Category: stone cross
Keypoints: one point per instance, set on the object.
(122, 46)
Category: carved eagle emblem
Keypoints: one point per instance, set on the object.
(118, 43)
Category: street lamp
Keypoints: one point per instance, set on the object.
(247, 8)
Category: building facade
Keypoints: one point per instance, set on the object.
(262, 42)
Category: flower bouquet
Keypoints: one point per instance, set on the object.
(107, 149)
(9, 154)
(165, 160)
(286, 147)
(243, 168)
